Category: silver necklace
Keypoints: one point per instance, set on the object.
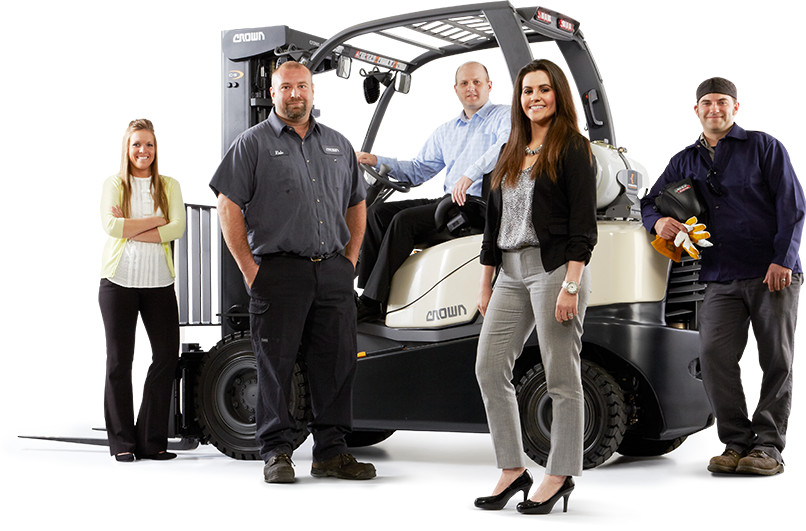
(530, 151)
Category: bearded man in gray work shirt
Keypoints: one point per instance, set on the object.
(290, 202)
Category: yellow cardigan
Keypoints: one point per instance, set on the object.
(173, 230)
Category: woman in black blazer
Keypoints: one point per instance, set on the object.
(540, 231)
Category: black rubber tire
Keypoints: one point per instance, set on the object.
(605, 414)
(225, 395)
(360, 438)
(633, 446)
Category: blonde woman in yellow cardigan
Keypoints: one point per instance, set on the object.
(142, 212)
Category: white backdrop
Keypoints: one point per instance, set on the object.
(75, 73)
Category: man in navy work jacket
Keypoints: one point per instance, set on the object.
(290, 202)
(753, 274)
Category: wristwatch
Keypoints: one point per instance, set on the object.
(570, 286)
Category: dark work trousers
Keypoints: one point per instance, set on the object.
(119, 309)
(727, 311)
(392, 231)
(300, 306)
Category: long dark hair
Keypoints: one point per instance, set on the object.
(562, 130)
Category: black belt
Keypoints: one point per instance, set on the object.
(318, 258)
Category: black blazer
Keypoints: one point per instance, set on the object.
(563, 213)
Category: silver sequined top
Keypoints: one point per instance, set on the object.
(517, 230)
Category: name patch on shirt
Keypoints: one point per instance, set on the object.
(278, 152)
(332, 150)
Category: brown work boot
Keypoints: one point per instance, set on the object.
(725, 463)
(343, 466)
(279, 469)
(759, 463)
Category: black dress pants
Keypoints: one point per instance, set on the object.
(119, 309)
(392, 231)
(302, 307)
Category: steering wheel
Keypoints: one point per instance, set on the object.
(447, 211)
(381, 176)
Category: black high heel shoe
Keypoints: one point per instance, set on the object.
(160, 456)
(545, 507)
(521, 483)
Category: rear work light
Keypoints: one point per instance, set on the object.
(552, 18)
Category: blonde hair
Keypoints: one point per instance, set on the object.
(157, 188)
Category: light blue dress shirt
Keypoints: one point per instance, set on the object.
(463, 147)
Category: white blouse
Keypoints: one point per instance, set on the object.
(142, 264)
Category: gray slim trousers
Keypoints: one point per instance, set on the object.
(525, 297)
(727, 312)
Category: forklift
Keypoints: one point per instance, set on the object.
(416, 365)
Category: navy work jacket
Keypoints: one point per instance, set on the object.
(755, 204)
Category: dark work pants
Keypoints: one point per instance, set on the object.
(727, 311)
(392, 231)
(119, 309)
(300, 306)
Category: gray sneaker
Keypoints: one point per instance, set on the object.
(279, 469)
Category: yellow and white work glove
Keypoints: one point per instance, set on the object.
(694, 234)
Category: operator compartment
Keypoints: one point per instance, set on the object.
(438, 287)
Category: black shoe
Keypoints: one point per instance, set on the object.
(161, 456)
(343, 466)
(521, 483)
(279, 469)
(124, 457)
(545, 507)
(368, 309)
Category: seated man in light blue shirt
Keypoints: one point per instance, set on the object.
(466, 147)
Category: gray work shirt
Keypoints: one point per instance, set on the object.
(294, 192)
